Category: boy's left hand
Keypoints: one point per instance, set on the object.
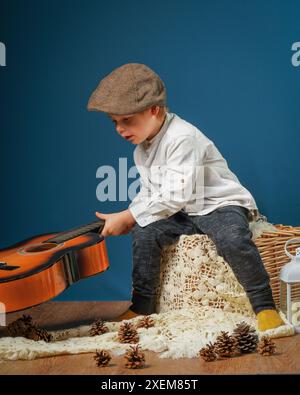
(116, 223)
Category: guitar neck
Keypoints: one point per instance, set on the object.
(71, 234)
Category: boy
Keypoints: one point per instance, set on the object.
(174, 159)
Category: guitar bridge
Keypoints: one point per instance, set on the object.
(5, 266)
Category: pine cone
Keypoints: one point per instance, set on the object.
(98, 328)
(145, 322)
(247, 338)
(135, 358)
(24, 327)
(266, 346)
(208, 353)
(225, 345)
(37, 334)
(127, 333)
(20, 326)
(27, 319)
(102, 358)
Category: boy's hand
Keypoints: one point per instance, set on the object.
(117, 223)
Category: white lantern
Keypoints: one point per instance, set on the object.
(290, 287)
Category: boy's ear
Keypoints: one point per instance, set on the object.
(154, 110)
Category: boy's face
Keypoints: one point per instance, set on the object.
(137, 127)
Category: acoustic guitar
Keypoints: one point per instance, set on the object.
(38, 269)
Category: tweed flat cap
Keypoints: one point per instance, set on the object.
(128, 89)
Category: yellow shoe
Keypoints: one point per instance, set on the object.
(268, 319)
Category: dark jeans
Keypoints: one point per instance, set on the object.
(227, 227)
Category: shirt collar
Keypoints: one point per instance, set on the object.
(148, 143)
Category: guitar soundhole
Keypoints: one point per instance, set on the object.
(41, 247)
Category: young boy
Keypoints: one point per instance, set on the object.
(174, 159)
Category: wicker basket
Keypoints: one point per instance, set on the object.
(271, 248)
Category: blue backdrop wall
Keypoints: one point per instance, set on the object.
(228, 70)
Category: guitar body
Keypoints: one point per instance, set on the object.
(37, 269)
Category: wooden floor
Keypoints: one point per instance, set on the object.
(54, 315)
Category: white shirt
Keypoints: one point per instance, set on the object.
(181, 169)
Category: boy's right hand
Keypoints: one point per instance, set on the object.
(117, 223)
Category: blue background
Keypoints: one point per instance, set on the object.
(227, 68)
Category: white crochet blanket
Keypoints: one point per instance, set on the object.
(198, 297)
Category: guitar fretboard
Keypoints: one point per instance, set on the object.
(71, 234)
